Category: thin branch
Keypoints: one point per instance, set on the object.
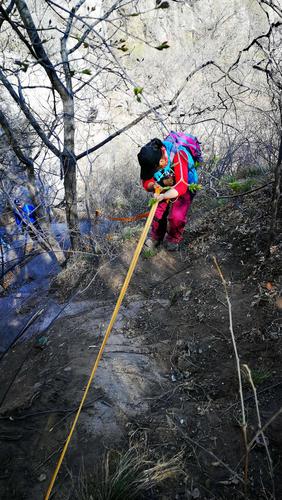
(6, 126)
(188, 78)
(118, 132)
(254, 41)
(215, 457)
(90, 28)
(264, 427)
(244, 422)
(247, 192)
(6, 12)
(25, 109)
(144, 115)
(269, 459)
(40, 53)
(6, 17)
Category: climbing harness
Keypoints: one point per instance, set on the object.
(107, 334)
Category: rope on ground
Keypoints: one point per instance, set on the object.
(132, 218)
(107, 334)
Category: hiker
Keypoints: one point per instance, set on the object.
(4, 240)
(165, 164)
(25, 215)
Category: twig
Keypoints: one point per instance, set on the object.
(269, 459)
(249, 397)
(7, 437)
(22, 331)
(244, 423)
(264, 427)
(47, 459)
(15, 376)
(234, 474)
(47, 412)
(247, 192)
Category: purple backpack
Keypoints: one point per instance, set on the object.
(188, 141)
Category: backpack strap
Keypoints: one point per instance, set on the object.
(173, 149)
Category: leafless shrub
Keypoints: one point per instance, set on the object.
(75, 274)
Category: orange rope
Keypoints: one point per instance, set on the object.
(98, 213)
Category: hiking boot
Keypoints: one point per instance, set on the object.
(150, 244)
(170, 246)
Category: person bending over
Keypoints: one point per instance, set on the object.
(158, 168)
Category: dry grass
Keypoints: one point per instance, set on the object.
(74, 275)
(130, 475)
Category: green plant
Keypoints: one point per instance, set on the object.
(138, 92)
(259, 375)
(195, 187)
(126, 476)
(148, 253)
(86, 71)
(130, 232)
(162, 46)
(242, 186)
(226, 179)
(127, 234)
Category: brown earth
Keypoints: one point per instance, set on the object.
(167, 381)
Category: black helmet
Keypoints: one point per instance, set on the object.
(149, 157)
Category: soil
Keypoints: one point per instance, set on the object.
(167, 381)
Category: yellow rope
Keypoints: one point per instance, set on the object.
(107, 334)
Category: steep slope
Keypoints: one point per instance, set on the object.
(167, 381)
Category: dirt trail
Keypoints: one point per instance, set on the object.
(52, 378)
(167, 377)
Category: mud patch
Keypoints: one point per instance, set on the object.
(48, 387)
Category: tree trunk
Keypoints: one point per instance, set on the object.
(31, 186)
(276, 197)
(69, 169)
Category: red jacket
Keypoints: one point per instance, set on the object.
(180, 167)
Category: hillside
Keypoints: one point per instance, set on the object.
(167, 383)
(99, 100)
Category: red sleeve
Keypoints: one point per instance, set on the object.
(146, 183)
(180, 165)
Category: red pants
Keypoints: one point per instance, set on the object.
(170, 219)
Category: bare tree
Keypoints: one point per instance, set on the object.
(68, 51)
(57, 68)
(70, 40)
(267, 59)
